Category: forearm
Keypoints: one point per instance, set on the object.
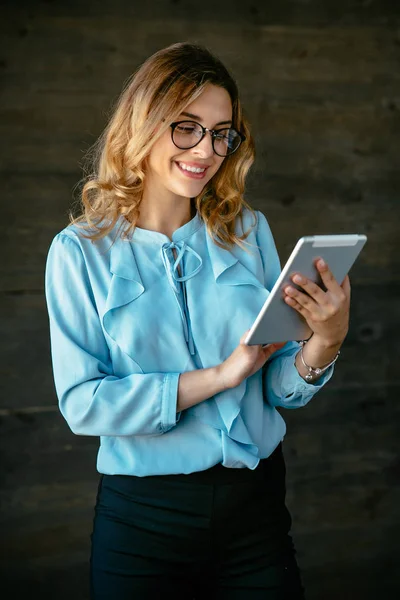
(316, 353)
(196, 386)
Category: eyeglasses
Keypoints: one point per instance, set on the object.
(187, 134)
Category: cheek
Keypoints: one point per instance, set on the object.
(159, 157)
(217, 167)
(162, 150)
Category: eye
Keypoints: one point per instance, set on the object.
(187, 128)
(222, 136)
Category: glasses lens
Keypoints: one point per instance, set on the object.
(187, 134)
(226, 141)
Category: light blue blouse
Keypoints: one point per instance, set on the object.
(124, 325)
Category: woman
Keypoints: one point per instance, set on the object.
(150, 294)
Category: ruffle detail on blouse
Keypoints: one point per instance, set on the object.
(125, 287)
(223, 411)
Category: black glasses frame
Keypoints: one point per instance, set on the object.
(212, 132)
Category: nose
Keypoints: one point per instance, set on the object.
(204, 148)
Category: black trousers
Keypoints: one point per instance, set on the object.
(221, 533)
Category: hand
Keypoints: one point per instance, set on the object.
(327, 313)
(245, 361)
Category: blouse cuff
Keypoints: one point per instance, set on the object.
(285, 386)
(169, 416)
(298, 385)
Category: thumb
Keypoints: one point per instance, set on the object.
(244, 336)
(275, 346)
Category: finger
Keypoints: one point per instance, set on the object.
(297, 306)
(244, 336)
(278, 346)
(327, 277)
(346, 287)
(299, 298)
(270, 349)
(274, 346)
(312, 289)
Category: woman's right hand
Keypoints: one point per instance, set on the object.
(245, 361)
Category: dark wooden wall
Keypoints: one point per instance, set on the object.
(321, 84)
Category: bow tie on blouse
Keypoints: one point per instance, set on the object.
(171, 266)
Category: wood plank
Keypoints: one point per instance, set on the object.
(340, 12)
(331, 11)
(320, 84)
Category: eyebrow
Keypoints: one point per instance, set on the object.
(197, 118)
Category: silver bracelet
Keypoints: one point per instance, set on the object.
(317, 371)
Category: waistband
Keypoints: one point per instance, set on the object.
(218, 473)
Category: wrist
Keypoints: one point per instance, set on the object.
(326, 343)
(316, 356)
(220, 378)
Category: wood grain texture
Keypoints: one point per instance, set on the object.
(320, 84)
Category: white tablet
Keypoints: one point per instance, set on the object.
(279, 322)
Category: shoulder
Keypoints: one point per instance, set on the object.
(72, 248)
(249, 218)
(81, 236)
(76, 233)
(254, 219)
(263, 227)
(255, 223)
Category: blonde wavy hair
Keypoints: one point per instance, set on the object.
(153, 97)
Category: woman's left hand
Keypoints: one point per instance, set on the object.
(327, 313)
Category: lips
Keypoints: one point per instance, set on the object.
(191, 174)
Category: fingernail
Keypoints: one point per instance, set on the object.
(322, 263)
(297, 279)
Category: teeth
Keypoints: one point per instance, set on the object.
(191, 169)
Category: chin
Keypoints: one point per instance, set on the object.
(188, 191)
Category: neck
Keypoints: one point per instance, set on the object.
(167, 216)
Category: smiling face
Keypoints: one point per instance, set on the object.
(165, 165)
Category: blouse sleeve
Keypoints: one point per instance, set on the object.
(282, 383)
(91, 398)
